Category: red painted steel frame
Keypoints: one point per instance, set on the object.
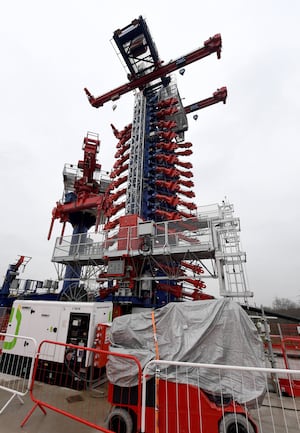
(212, 45)
(219, 96)
(86, 201)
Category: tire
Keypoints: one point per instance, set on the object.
(235, 423)
(119, 421)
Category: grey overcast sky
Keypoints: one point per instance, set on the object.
(247, 150)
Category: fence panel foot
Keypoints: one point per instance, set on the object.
(9, 400)
(31, 412)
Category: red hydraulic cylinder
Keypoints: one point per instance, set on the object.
(189, 194)
(195, 268)
(167, 102)
(186, 152)
(167, 146)
(118, 171)
(166, 124)
(122, 150)
(187, 183)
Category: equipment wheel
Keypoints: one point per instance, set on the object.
(119, 421)
(235, 423)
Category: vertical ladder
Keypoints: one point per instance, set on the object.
(229, 256)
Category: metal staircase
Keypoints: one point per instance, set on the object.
(229, 257)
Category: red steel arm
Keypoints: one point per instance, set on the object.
(219, 96)
(212, 45)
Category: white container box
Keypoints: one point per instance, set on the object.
(64, 322)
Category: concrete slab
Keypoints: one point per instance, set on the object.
(15, 412)
(275, 415)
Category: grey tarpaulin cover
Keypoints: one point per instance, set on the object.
(212, 331)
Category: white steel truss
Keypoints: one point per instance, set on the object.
(135, 171)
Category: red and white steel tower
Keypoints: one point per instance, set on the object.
(153, 246)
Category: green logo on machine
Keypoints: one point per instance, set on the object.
(8, 345)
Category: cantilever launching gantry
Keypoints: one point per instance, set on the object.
(154, 246)
(139, 52)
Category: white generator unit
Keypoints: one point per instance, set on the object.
(63, 322)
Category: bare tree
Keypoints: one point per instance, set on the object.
(283, 304)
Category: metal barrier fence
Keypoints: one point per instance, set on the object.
(176, 235)
(210, 398)
(65, 380)
(16, 371)
(167, 397)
